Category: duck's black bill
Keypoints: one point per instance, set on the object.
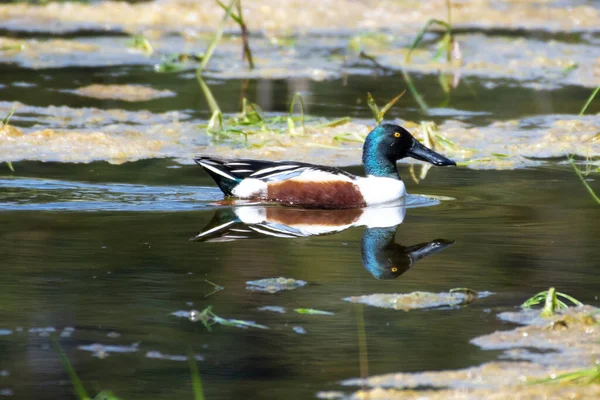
(422, 250)
(422, 153)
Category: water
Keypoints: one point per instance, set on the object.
(100, 257)
(128, 265)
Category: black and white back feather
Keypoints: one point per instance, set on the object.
(268, 171)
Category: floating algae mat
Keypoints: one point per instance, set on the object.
(417, 300)
(274, 285)
(122, 92)
(119, 136)
(566, 342)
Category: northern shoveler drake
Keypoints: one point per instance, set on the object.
(316, 186)
(381, 255)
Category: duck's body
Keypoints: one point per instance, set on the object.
(318, 186)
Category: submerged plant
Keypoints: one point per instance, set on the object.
(551, 301)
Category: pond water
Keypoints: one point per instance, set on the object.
(114, 243)
(102, 255)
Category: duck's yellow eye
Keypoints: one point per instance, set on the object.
(395, 269)
(396, 134)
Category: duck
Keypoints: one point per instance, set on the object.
(306, 185)
(381, 256)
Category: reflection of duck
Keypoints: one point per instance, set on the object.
(316, 186)
(381, 255)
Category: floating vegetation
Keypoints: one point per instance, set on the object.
(551, 301)
(419, 300)
(130, 93)
(139, 42)
(209, 318)
(312, 311)
(274, 285)
(216, 288)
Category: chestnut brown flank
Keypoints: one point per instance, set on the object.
(327, 194)
(292, 216)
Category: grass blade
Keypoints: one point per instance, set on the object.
(212, 103)
(213, 45)
(414, 91)
(587, 186)
(390, 104)
(373, 106)
(421, 33)
(77, 385)
(292, 104)
(195, 375)
(589, 101)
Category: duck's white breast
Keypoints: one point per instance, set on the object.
(377, 190)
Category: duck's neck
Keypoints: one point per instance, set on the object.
(377, 164)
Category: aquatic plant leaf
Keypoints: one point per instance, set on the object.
(106, 395)
(551, 301)
(75, 381)
(238, 323)
(336, 122)
(422, 32)
(589, 100)
(213, 45)
(141, 43)
(389, 105)
(312, 311)
(413, 90)
(6, 119)
(292, 104)
(195, 376)
(374, 109)
(582, 179)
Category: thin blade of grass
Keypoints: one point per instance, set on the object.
(334, 123)
(213, 45)
(212, 103)
(77, 385)
(587, 186)
(390, 104)
(10, 166)
(292, 104)
(374, 108)
(195, 375)
(234, 17)
(589, 101)
(6, 119)
(414, 91)
(312, 311)
(422, 32)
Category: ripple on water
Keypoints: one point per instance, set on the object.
(20, 194)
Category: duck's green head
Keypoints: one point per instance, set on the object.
(388, 143)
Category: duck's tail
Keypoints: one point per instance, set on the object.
(220, 171)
